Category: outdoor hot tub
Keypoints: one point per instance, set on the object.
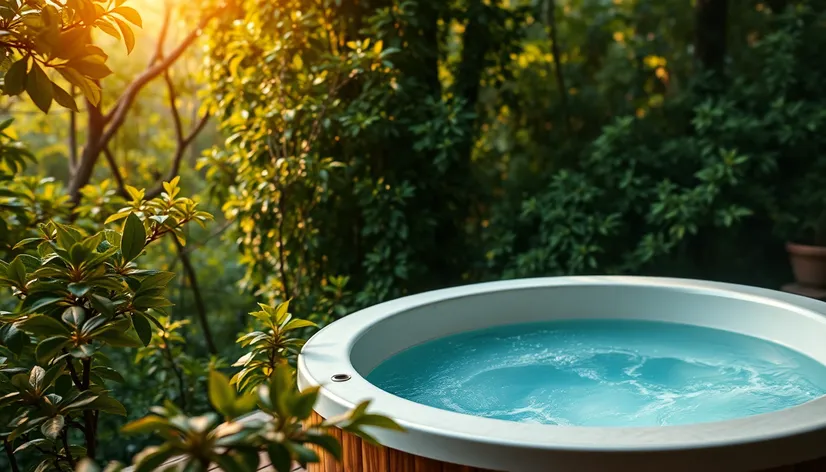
(777, 342)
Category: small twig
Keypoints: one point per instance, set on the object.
(72, 136)
(113, 166)
(158, 54)
(196, 292)
(10, 452)
(181, 384)
(88, 416)
(72, 371)
(190, 248)
(64, 436)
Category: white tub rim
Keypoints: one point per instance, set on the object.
(329, 351)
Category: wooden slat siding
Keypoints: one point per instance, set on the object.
(331, 464)
(423, 464)
(401, 461)
(447, 467)
(352, 458)
(374, 458)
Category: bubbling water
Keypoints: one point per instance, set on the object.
(603, 373)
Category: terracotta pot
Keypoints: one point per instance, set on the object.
(808, 264)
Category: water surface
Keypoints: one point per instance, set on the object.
(603, 373)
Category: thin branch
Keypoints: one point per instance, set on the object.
(167, 14)
(181, 383)
(72, 371)
(72, 137)
(10, 452)
(178, 157)
(113, 166)
(64, 435)
(117, 115)
(196, 293)
(89, 432)
(190, 248)
(173, 106)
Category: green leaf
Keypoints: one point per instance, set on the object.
(14, 339)
(102, 304)
(52, 427)
(133, 238)
(157, 280)
(280, 457)
(15, 80)
(240, 460)
(302, 454)
(298, 324)
(143, 327)
(108, 373)
(303, 404)
(107, 405)
(145, 425)
(131, 15)
(80, 403)
(48, 349)
(17, 271)
(34, 304)
(327, 442)
(378, 421)
(42, 325)
(39, 88)
(74, 316)
(32, 443)
(221, 393)
(115, 337)
(63, 98)
(152, 458)
(79, 289)
(281, 312)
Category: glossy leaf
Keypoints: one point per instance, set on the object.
(133, 238)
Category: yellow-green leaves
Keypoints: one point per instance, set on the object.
(130, 15)
(224, 398)
(133, 238)
(57, 36)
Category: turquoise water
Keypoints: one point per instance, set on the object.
(603, 373)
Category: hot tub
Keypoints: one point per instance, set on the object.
(340, 357)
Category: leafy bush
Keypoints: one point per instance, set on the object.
(83, 295)
(692, 186)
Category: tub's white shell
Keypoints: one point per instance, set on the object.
(357, 343)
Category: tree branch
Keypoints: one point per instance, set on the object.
(72, 137)
(173, 106)
(117, 115)
(181, 383)
(178, 157)
(113, 166)
(167, 14)
(72, 371)
(10, 452)
(196, 293)
(64, 436)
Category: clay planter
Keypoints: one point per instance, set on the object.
(808, 264)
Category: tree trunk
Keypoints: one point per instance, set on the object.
(91, 151)
(710, 34)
